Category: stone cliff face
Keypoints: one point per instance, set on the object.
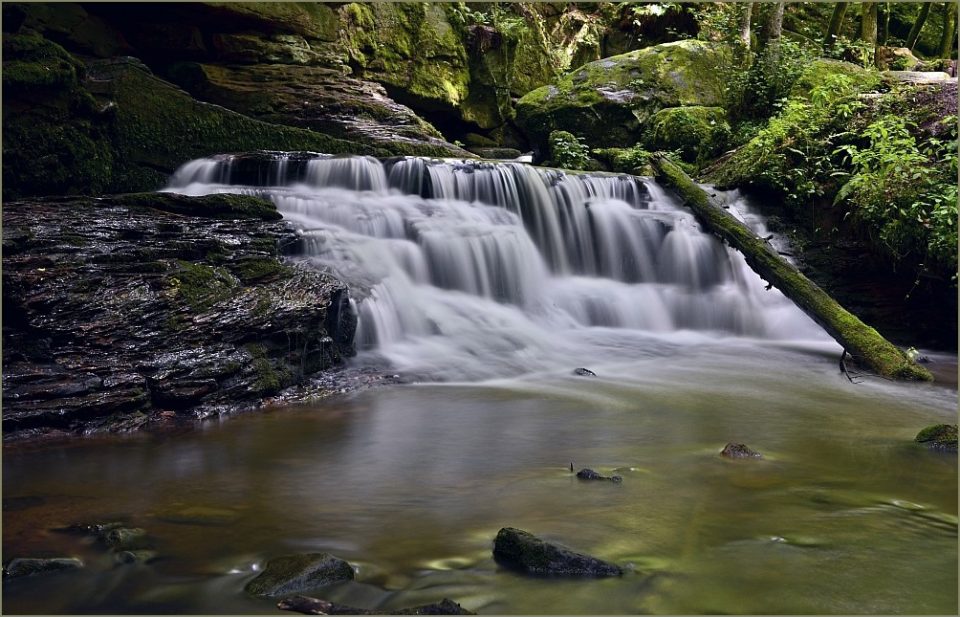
(128, 310)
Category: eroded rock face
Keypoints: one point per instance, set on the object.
(127, 309)
(525, 552)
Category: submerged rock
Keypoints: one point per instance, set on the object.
(739, 450)
(315, 606)
(297, 573)
(28, 566)
(126, 539)
(525, 552)
(941, 437)
(139, 556)
(584, 372)
(589, 474)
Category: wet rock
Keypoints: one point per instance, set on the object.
(298, 573)
(739, 450)
(29, 566)
(90, 529)
(315, 606)
(525, 552)
(942, 437)
(126, 306)
(584, 372)
(138, 556)
(589, 474)
(126, 539)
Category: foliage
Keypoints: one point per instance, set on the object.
(852, 50)
(906, 191)
(567, 151)
(763, 88)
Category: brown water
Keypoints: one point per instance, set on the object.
(410, 484)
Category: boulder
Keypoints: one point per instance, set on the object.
(941, 437)
(821, 70)
(293, 574)
(584, 372)
(527, 553)
(29, 566)
(696, 132)
(738, 450)
(610, 101)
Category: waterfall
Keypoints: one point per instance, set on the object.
(472, 269)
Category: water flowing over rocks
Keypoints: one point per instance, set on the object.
(119, 310)
(525, 552)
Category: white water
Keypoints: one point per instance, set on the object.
(474, 270)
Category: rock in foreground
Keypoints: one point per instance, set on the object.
(589, 474)
(941, 437)
(292, 574)
(28, 566)
(130, 309)
(525, 552)
(315, 606)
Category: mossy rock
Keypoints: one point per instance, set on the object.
(610, 100)
(310, 19)
(939, 437)
(223, 206)
(819, 72)
(523, 551)
(635, 160)
(293, 574)
(696, 132)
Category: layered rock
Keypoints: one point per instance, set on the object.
(123, 310)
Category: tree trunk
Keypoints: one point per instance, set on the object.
(746, 12)
(836, 23)
(860, 340)
(949, 29)
(884, 33)
(868, 23)
(774, 26)
(918, 25)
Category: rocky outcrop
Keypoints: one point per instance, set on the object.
(292, 574)
(525, 552)
(113, 126)
(132, 309)
(609, 102)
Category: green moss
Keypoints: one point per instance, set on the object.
(822, 70)
(257, 269)
(695, 132)
(633, 160)
(201, 286)
(939, 436)
(32, 62)
(222, 206)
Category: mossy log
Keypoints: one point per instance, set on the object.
(864, 343)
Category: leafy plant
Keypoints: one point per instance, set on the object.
(567, 151)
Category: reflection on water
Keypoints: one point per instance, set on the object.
(411, 484)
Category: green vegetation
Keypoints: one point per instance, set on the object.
(567, 151)
(201, 286)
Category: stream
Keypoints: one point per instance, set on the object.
(484, 286)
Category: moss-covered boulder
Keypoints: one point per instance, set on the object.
(610, 101)
(694, 131)
(821, 70)
(939, 437)
(525, 552)
(293, 574)
(635, 160)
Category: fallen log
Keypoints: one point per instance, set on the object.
(862, 342)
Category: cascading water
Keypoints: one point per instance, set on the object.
(471, 270)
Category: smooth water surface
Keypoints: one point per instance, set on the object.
(411, 483)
